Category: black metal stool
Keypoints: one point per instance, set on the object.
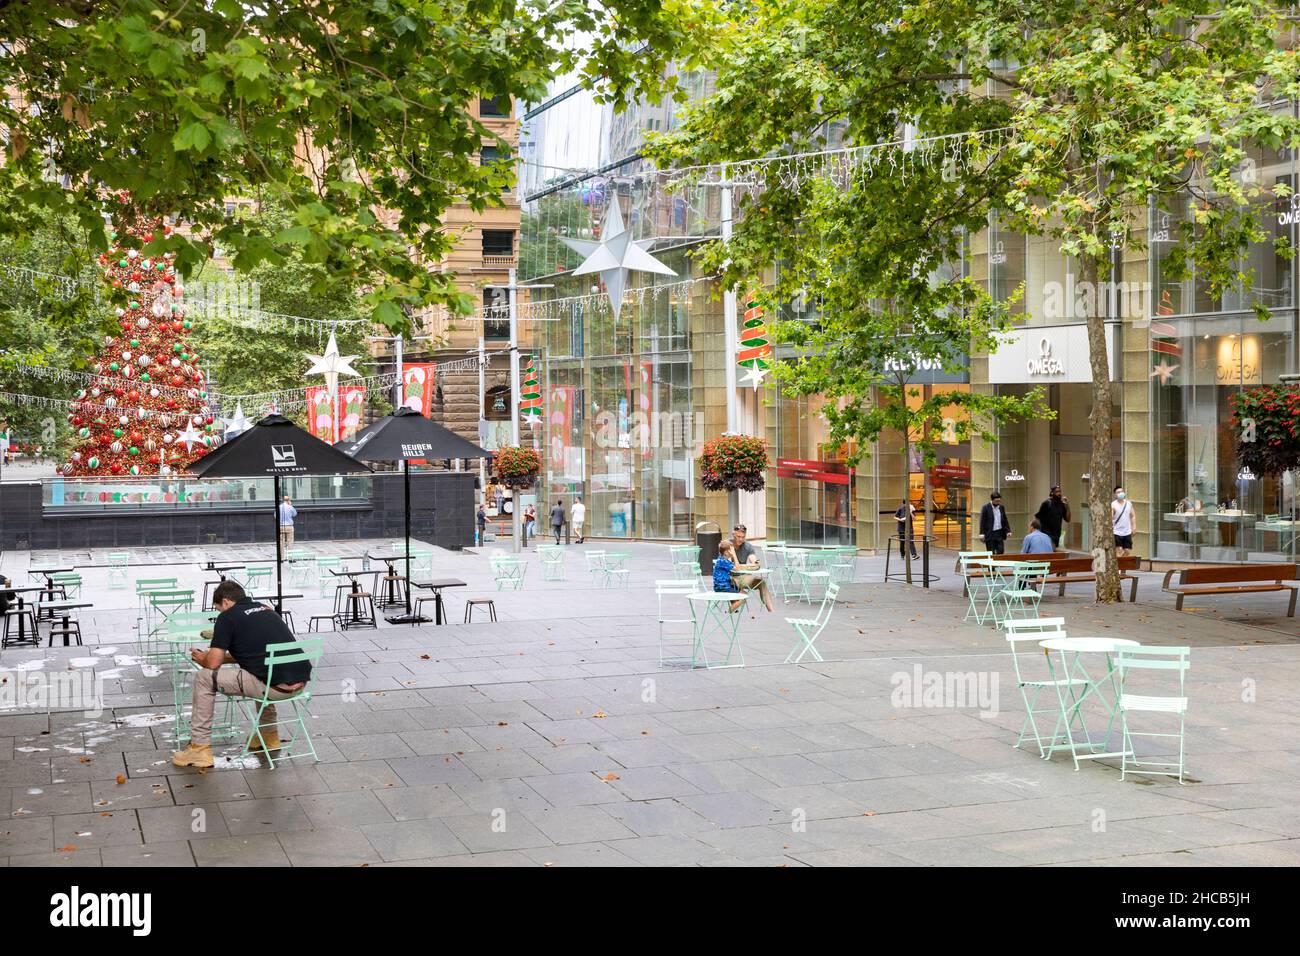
(28, 615)
(359, 610)
(471, 603)
(394, 592)
(66, 628)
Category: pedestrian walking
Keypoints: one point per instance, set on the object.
(1123, 522)
(906, 536)
(557, 520)
(578, 517)
(287, 513)
(1053, 514)
(994, 526)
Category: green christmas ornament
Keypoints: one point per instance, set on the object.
(144, 377)
(176, 347)
(203, 394)
(135, 343)
(114, 366)
(121, 263)
(117, 433)
(186, 324)
(133, 450)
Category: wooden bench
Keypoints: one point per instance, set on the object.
(1079, 571)
(1233, 579)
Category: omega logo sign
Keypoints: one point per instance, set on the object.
(1046, 363)
(1014, 476)
(1292, 214)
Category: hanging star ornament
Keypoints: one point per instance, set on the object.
(331, 363)
(615, 255)
(236, 425)
(754, 375)
(1164, 373)
(191, 436)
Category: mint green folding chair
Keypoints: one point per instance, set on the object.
(301, 571)
(982, 580)
(118, 576)
(256, 576)
(1018, 599)
(551, 557)
(277, 655)
(1176, 659)
(670, 598)
(807, 630)
(326, 582)
(1031, 631)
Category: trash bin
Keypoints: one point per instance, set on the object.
(707, 537)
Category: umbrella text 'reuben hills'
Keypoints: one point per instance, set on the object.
(408, 436)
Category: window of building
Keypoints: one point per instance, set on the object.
(492, 106)
(496, 314)
(498, 242)
(491, 156)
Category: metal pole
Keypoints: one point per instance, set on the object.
(398, 385)
(334, 401)
(482, 407)
(514, 407)
(275, 503)
(406, 489)
(730, 339)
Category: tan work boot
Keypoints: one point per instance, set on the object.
(272, 738)
(195, 755)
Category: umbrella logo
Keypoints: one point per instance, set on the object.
(283, 456)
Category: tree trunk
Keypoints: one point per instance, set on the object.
(1101, 468)
(905, 539)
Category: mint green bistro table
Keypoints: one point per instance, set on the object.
(1071, 666)
(711, 617)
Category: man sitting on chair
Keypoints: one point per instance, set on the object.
(240, 636)
(747, 560)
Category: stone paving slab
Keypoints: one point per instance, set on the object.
(554, 738)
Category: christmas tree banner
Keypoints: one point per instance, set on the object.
(320, 413)
(530, 393)
(354, 406)
(755, 351)
(417, 386)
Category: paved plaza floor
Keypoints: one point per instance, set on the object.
(554, 737)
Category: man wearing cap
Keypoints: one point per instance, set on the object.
(994, 527)
(1053, 514)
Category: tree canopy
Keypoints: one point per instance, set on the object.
(355, 115)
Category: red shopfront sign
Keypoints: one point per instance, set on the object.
(959, 472)
(827, 472)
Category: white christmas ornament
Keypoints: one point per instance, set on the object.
(614, 256)
(191, 436)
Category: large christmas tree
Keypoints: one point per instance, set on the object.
(147, 411)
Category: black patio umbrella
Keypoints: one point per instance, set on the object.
(276, 447)
(404, 436)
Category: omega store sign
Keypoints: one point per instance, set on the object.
(1037, 356)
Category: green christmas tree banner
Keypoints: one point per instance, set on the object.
(755, 351)
(530, 393)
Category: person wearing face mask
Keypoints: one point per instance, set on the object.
(1123, 522)
(1053, 514)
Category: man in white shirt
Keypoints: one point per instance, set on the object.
(577, 515)
(287, 513)
(1123, 521)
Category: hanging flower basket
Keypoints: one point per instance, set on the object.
(1267, 425)
(518, 467)
(733, 463)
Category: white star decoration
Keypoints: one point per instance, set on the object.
(236, 425)
(754, 376)
(1164, 373)
(614, 255)
(191, 436)
(331, 363)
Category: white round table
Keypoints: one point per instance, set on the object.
(1071, 650)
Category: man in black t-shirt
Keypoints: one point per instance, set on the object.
(240, 636)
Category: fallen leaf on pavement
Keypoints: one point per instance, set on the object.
(121, 779)
(609, 777)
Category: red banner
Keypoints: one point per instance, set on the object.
(417, 386)
(559, 417)
(827, 472)
(321, 413)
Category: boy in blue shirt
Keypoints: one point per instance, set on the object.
(722, 568)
